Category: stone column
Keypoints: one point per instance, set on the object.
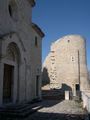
(15, 84)
(22, 84)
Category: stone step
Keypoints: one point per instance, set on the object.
(21, 114)
(15, 107)
(20, 106)
(21, 111)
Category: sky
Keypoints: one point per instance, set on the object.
(58, 18)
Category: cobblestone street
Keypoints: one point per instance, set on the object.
(56, 110)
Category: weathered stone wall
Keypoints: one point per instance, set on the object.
(67, 63)
(86, 100)
(16, 27)
(36, 59)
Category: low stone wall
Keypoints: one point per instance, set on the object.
(86, 100)
(53, 94)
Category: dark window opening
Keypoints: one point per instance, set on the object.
(10, 10)
(72, 58)
(36, 43)
(77, 87)
(68, 41)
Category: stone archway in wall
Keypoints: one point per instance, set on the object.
(11, 74)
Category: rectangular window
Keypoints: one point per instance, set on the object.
(36, 43)
(72, 59)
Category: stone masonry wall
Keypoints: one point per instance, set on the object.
(67, 66)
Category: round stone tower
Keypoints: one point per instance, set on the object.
(67, 64)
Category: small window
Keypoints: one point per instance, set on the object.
(72, 58)
(52, 51)
(12, 9)
(68, 41)
(36, 43)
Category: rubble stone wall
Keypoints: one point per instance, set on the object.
(66, 64)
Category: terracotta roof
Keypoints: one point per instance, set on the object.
(38, 30)
(32, 2)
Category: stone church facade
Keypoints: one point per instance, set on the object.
(65, 67)
(20, 52)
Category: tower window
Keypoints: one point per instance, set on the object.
(72, 58)
(68, 41)
(12, 9)
(36, 42)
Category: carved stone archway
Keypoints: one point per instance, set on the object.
(11, 74)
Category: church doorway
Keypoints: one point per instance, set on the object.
(8, 83)
(77, 89)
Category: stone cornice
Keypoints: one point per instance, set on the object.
(38, 30)
(7, 34)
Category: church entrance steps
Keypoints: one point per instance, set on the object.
(21, 110)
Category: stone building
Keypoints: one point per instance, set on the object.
(20, 52)
(65, 67)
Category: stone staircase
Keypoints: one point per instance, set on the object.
(53, 94)
(20, 110)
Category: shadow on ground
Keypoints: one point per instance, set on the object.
(56, 116)
(50, 103)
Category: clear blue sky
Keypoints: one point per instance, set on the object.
(58, 18)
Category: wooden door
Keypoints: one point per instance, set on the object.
(7, 83)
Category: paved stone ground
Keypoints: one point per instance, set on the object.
(56, 110)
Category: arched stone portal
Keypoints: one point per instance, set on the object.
(11, 74)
